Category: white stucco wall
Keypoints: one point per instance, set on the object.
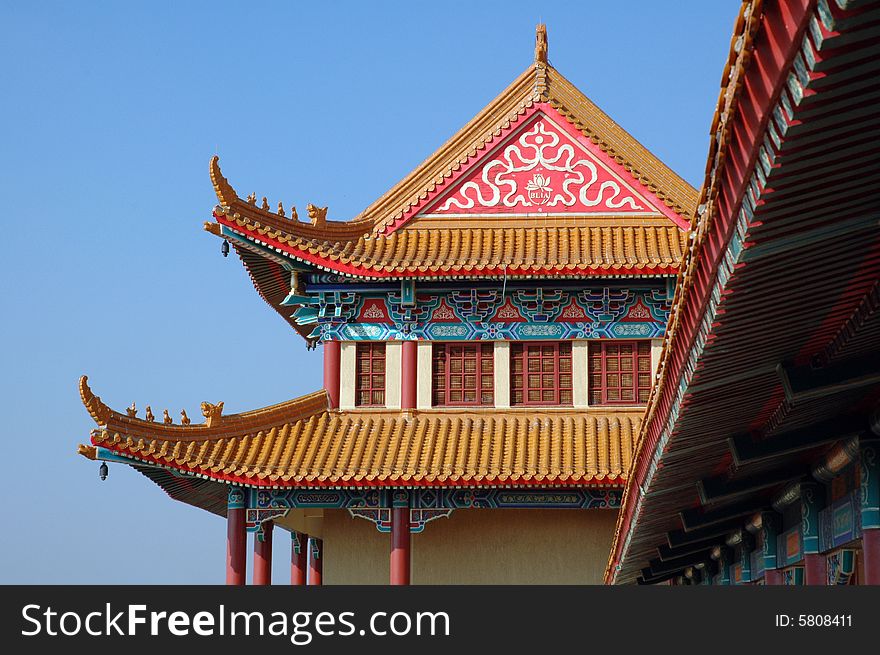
(393, 350)
(347, 374)
(502, 374)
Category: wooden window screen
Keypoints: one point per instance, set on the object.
(463, 374)
(540, 374)
(370, 375)
(620, 372)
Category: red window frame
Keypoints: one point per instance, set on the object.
(620, 372)
(541, 373)
(463, 374)
(369, 388)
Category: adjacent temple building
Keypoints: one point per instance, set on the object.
(490, 330)
(548, 359)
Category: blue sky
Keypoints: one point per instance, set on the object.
(110, 114)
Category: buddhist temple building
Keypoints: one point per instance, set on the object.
(549, 359)
(757, 461)
(490, 330)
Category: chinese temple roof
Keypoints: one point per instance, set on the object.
(597, 247)
(540, 182)
(770, 359)
(302, 443)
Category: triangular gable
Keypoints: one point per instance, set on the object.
(541, 166)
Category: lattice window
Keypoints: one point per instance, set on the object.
(620, 372)
(370, 375)
(540, 373)
(463, 374)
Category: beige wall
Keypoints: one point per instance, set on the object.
(354, 551)
(477, 546)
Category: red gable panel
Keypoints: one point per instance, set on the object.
(542, 166)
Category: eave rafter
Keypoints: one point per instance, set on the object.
(776, 210)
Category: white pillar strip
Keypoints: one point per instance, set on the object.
(347, 370)
(580, 349)
(656, 349)
(502, 374)
(393, 351)
(424, 363)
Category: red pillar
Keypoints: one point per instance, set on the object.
(400, 539)
(815, 569)
(869, 465)
(236, 538)
(299, 549)
(263, 556)
(773, 577)
(332, 350)
(408, 374)
(871, 555)
(316, 561)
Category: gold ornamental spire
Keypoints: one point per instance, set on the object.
(541, 43)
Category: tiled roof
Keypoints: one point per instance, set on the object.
(301, 443)
(382, 241)
(621, 246)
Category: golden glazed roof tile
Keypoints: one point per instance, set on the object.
(301, 443)
(594, 245)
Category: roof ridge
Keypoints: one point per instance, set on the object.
(296, 409)
(561, 88)
(318, 227)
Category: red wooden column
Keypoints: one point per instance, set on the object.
(815, 569)
(316, 566)
(400, 539)
(869, 465)
(409, 375)
(871, 555)
(236, 537)
(773, 577)
(299, 549)
(263, 555)
(332, 351)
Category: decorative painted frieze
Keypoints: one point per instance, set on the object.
(381, 517)
(425, 504)
(840, 522)
(485, 314)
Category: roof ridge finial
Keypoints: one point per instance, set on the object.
(541, 43)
